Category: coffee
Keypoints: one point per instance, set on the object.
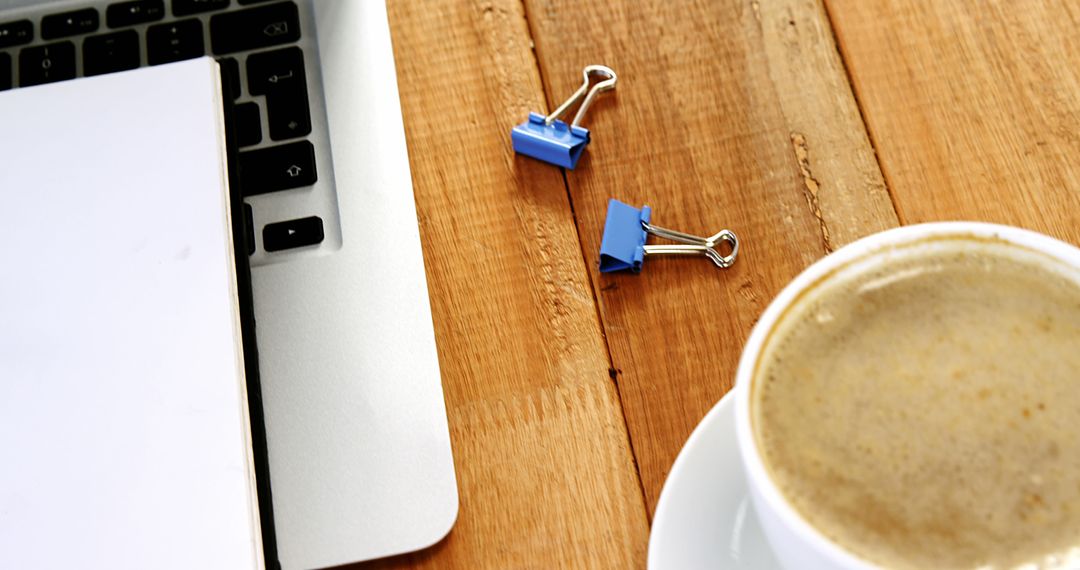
(924, 412)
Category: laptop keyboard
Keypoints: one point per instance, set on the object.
(258, 40)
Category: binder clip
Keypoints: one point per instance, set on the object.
(627, 228)
(550, 139)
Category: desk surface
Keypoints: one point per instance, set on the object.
(799, 124)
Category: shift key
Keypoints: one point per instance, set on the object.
(277, 168)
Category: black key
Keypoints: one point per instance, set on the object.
(293, 233)
(45, 64)
(69, 24)
(248, 125)
(249, 229)
(254, 28)
(166, 43)
(189, 7)
(16, 33)
(132, 13)
(287, 115)
(230, 70)
(277, 168)
(110, 52)
(275, 71)
(280, 76)
(5, 71)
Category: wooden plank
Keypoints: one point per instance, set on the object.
(544, 467)
(730, 114)
(841, 178)
(972, 105)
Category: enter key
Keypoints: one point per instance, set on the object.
(279, 75)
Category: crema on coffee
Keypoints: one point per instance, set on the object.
(924, 412)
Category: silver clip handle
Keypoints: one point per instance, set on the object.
(600, 87)
(694, 245)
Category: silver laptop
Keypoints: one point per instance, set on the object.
(360, 465)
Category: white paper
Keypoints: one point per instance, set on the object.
(123, 431)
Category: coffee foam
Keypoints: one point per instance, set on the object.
(925, 412)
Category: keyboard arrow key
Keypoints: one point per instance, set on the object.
(293, 233)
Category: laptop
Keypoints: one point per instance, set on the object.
(360, 465)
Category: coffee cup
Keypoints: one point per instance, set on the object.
(878, 419)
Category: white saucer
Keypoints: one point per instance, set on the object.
(704, 518)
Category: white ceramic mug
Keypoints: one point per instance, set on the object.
(797, 544)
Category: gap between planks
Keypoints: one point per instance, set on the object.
(831, 20)
(613, 372)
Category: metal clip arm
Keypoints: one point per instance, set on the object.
(600, 87)
(694, 245)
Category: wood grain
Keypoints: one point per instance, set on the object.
(841, 178)
(727, 114)
(973, 106)
(735, 114)
(544, 467)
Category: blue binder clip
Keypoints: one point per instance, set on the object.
(551, 140)
(627, 228)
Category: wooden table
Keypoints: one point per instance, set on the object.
(799, 124)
